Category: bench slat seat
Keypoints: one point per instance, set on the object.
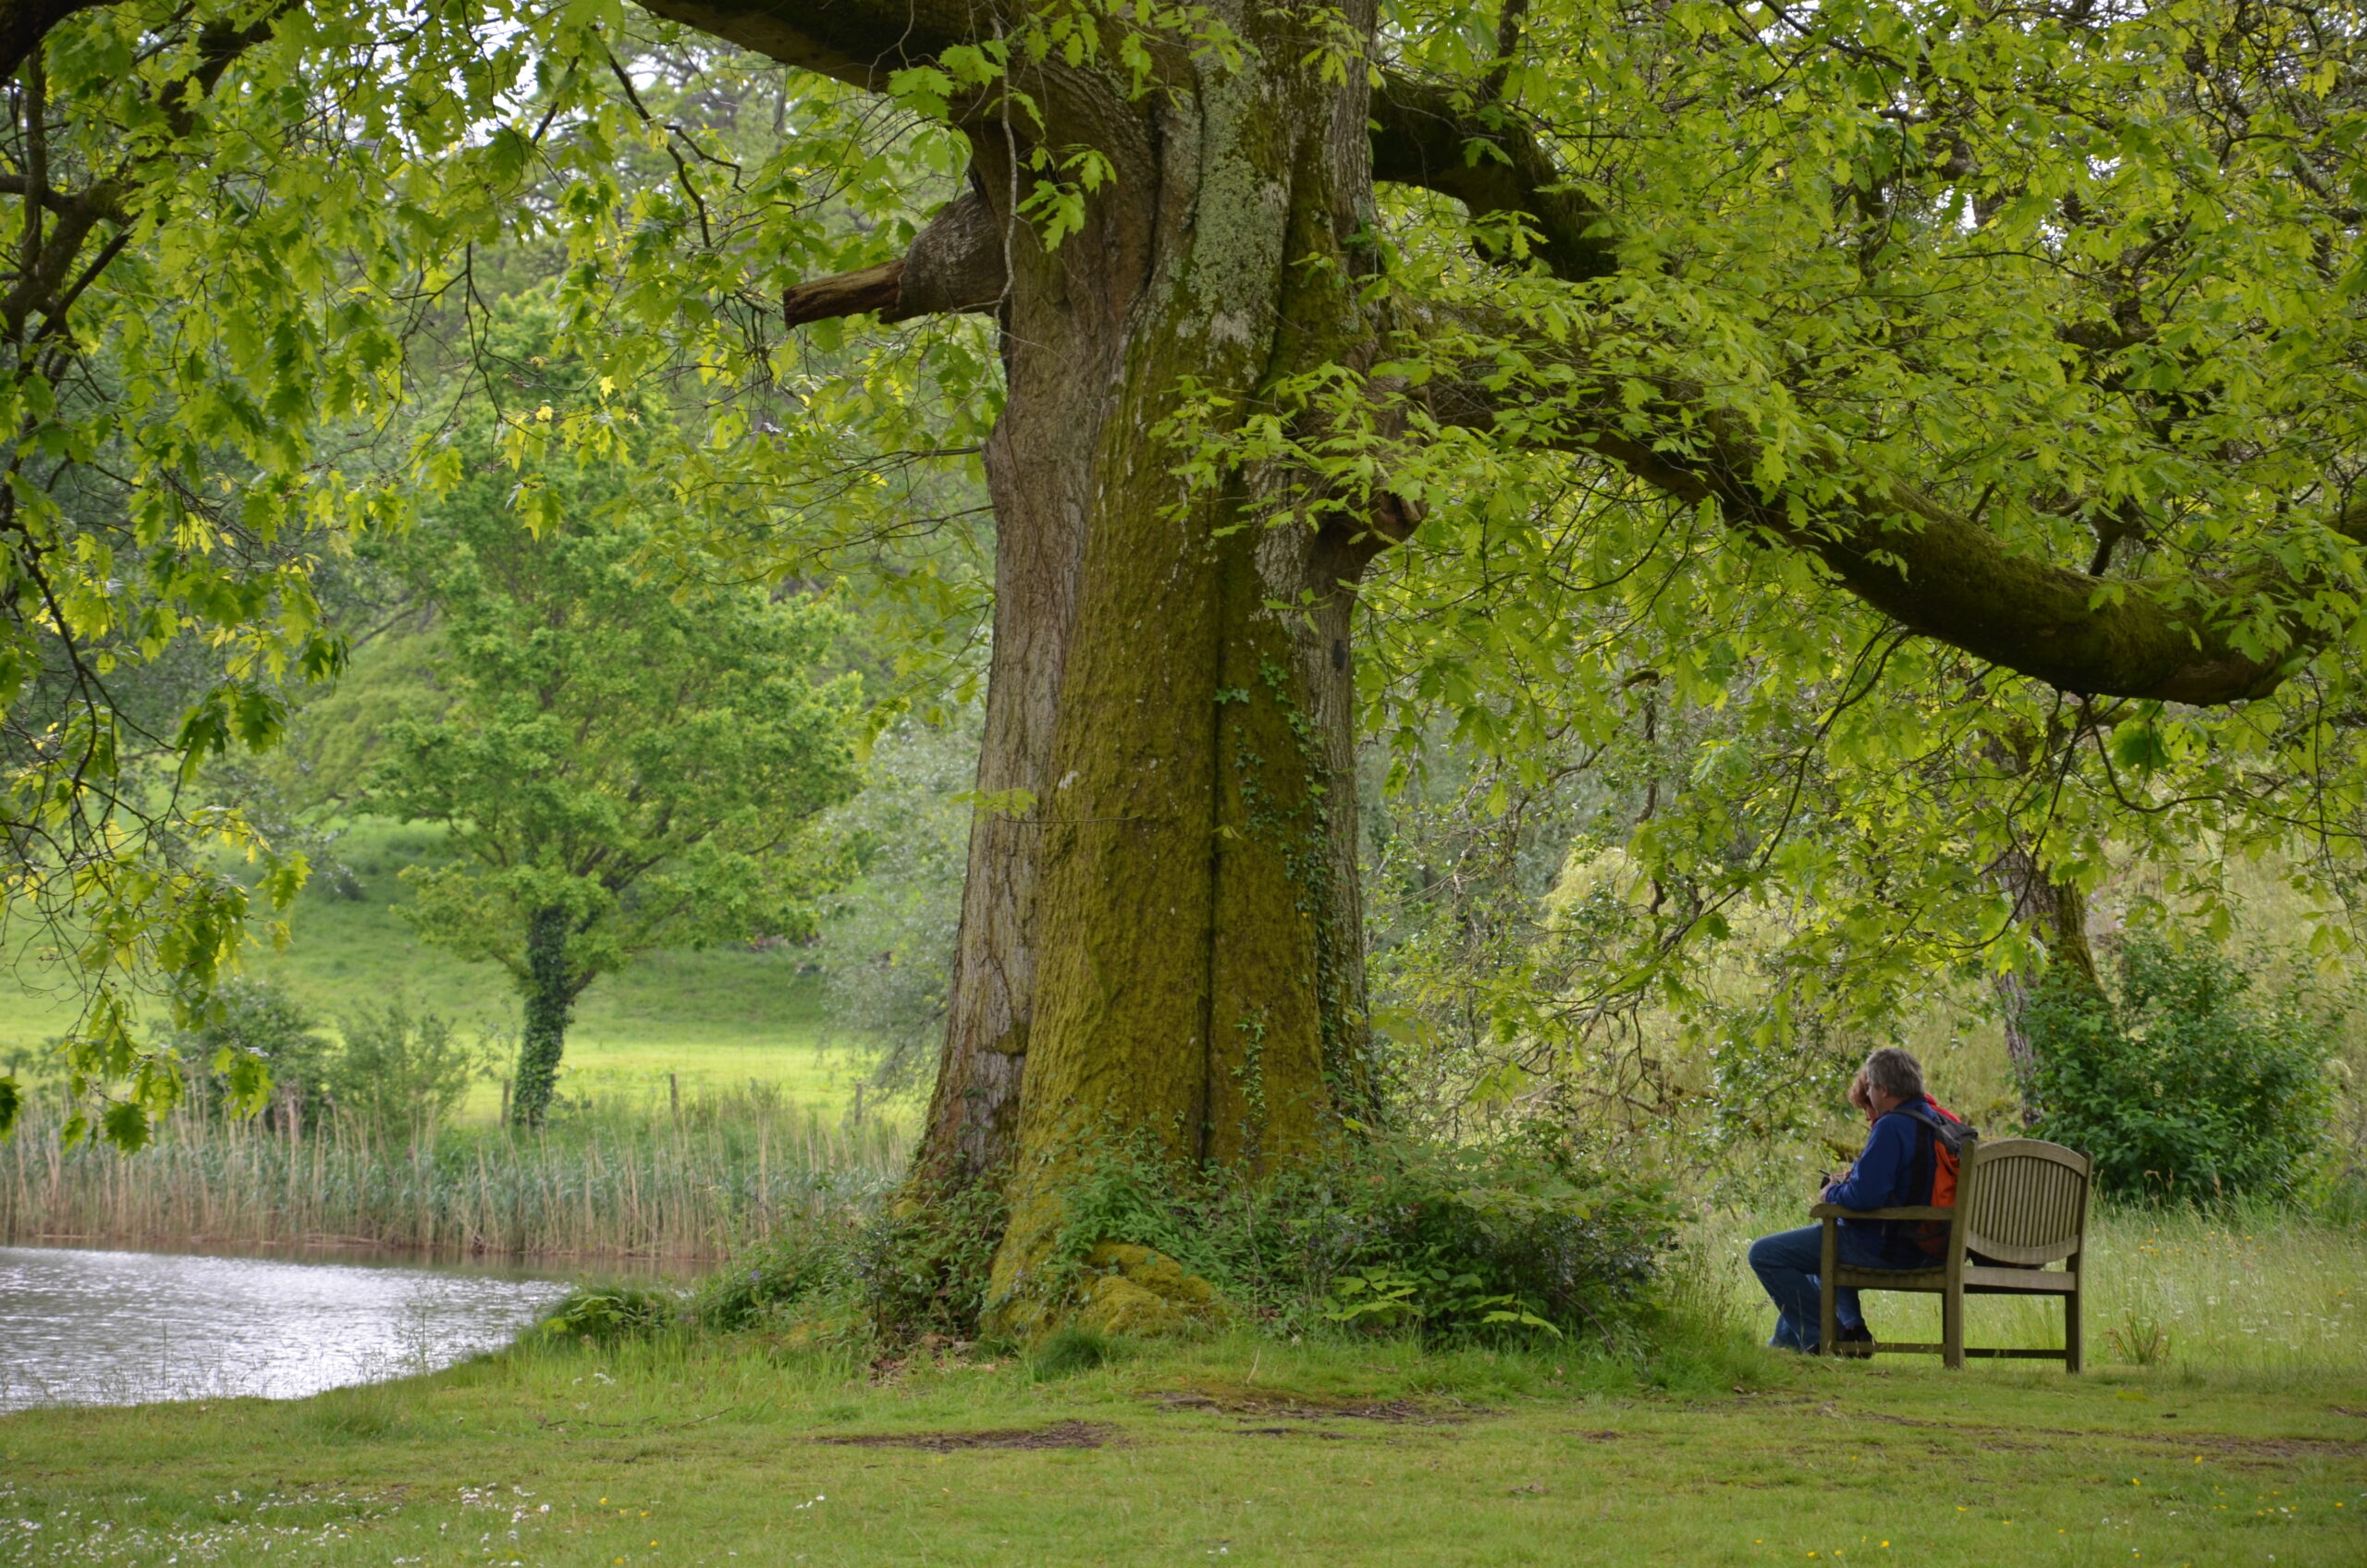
(1978, 1281)
(2019, 1201)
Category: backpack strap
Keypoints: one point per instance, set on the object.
(1950, 1138)
(1956, 1134)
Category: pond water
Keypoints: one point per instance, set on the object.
(123, 1327)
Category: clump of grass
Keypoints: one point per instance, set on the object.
(1070, 1351)
(638, 1181)
(361, 1414)
(2139, 1339)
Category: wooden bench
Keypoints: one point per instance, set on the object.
(2019, 1201)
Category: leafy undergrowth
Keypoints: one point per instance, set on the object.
(735, 1449)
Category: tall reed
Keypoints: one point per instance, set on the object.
(633, 1181)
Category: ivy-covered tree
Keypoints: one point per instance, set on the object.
(623, 760)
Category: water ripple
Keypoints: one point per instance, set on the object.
(126, 1327)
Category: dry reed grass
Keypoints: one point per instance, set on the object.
(633, 1182)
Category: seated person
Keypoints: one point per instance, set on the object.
(1894, 1170)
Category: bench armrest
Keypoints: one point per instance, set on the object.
(1834, 1211)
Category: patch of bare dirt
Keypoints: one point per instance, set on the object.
(1295, 1406)
(2273, 1448)
(1065, 1434)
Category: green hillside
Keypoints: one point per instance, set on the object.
(718, 1017)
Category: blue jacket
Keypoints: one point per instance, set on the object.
(1894, 1170)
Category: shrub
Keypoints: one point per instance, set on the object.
(921, 1266)
(606, 1314)
(1521, 1236)
(399, 1074)
(760, 1282)
(259, 1019)
(2187, 1086)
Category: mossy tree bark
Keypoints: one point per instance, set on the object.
(1163, 947)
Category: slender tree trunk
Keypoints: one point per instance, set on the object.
(1161, 952)
(2056, 913)
(549, 996)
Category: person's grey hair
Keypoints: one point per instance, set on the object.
(1895, 1073)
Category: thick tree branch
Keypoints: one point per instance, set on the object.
(861, 42)
(1936, 571)
(955, 265)
(1926, 566)
(871, 291)
(1483, 156)
(24, 23)
(104, 198)
(219, 45)
(53, 254)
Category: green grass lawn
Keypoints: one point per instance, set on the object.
(721, 1017)
(1240, 1453)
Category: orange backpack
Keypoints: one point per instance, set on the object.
(1952, 1143)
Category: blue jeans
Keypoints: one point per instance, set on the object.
(1786, 1263)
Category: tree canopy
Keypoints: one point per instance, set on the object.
(1889, 443)
(626, 756)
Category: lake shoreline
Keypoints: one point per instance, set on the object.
(362, 1252)
(101, 1326)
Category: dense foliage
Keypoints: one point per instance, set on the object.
(400, 1072)
(622, 763)
(1448, 1244)
(391, 1073)
(2187, 1085)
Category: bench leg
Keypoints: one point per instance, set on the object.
(1828, 1314)
(1952, 1328)
(2071, 1355)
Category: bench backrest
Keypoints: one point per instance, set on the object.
(2023, 1200)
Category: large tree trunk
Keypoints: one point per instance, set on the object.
(1160, 953)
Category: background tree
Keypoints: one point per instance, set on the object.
(224, 220)
(625, 759)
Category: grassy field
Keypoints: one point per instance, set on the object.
(1240, 1453)
(2237, 1435)
(719, 1018)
